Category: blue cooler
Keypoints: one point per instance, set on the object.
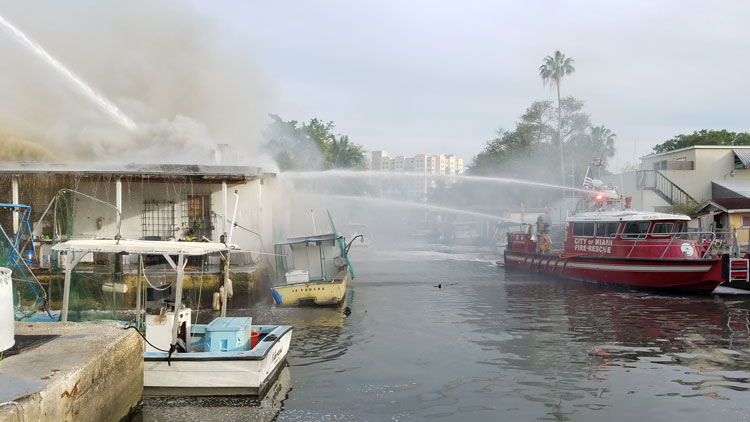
(228, 334)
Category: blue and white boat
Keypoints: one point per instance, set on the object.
(230, 355)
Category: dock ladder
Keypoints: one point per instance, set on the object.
(739, 269)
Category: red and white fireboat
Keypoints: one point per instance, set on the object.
(607, 242)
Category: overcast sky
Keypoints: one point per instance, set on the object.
(442, 76)
(405, 76)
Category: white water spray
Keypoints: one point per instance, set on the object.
(409, 204)
(340, 174)
(105, 105)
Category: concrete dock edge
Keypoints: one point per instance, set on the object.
(91, 372)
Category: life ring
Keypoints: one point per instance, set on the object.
(544, 243)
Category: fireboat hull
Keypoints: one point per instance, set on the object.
(697, 275)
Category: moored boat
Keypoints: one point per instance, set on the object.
(230, 355)
(312, 269)
(625, 247)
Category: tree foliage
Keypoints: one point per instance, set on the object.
(311, 146)
(704, 137)
(529, 151)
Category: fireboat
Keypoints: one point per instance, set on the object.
(608, 242)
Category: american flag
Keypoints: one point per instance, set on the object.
(588, 179)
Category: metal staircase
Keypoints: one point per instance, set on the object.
(660, 184)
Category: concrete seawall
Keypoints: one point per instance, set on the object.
(90, 372)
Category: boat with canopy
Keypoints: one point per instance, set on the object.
(229, 355)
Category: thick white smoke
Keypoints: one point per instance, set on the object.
(162, 64)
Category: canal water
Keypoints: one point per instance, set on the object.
(444, 334)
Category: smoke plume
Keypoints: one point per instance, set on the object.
(162, 64)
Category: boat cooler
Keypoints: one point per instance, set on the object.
(298, 276)
(228, 334)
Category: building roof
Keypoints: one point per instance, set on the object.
(133, 169)
(309, 239)
(743, 155)
(628, 215)
(736, 148)
(740, 187)
(728, 205)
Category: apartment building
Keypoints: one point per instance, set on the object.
(380, 161)
(415, 188)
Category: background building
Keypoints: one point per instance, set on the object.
(412, 187)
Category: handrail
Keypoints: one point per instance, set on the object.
(699, 237)
(671, 238)
(663, 185)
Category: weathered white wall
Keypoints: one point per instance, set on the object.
(255, 210)
(248, 216)
(627, 185)
(710, 164)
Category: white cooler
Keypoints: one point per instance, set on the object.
(298, 276)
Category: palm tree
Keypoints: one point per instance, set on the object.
(602, 143)
(552, 71)
(345, 154)
(603, 139)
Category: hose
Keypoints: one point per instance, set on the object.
(144, 338)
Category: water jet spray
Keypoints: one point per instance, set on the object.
(103, 104)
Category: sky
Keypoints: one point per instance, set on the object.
(404, 76)
(442, 76)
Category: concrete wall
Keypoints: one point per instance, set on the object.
(91, 372)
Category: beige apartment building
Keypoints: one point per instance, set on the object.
(415, 188)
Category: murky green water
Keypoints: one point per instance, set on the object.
(490, 345)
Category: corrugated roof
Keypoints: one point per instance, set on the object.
(743, 155)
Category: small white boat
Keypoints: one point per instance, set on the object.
(226, 356)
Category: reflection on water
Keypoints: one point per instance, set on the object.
(491, 345)
(218, 408)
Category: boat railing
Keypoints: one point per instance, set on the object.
(735, 241)
(707, 238)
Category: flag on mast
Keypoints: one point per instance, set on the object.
(588, 179)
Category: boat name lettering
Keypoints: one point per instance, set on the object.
(596, 245)
(275, 355)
